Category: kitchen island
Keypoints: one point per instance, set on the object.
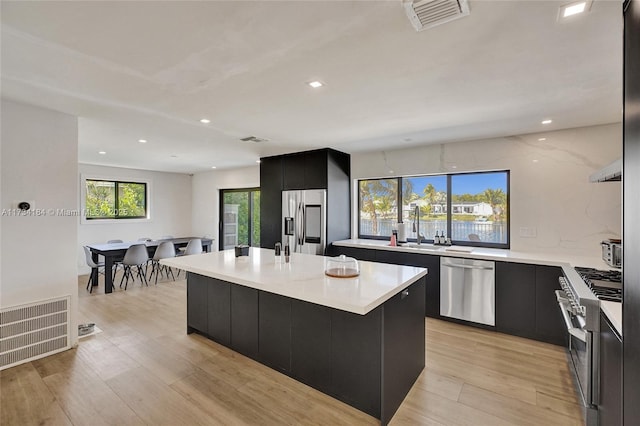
(360, 340)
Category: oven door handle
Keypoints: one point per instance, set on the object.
(576, 332)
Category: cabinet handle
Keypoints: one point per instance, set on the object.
(404, 293)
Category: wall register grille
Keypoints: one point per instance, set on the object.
(33, 331)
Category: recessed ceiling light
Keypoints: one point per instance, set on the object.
(573, 9)
(542, 139)
(102, 152)
(535, 161)
(213, 167)
(547, 121)
(315, 84)
(454, 167)
(174, 156)
(258, 161)
(142, 140)
(205, 121)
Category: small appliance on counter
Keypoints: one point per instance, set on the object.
(242, 250)
(612, 252)
(342, 267)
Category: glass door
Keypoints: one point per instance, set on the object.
(239, 217)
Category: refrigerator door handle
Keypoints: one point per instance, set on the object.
(303, 223)
(299, 215)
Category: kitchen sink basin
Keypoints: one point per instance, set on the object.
(424, 246)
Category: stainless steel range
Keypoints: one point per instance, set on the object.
(579, 301)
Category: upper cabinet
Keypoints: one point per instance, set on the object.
(318, 169)
(305, 170)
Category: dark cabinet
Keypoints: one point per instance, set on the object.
(244, 320)
(270, 201)
(305, 170)
(610, 407)
(197, 312)
(311, 344)
(219, 319)
(432, 263)
(318, 169)
(356, 253)
(208, 307)
(550, 325)
(403, 346)
(515, 298)
(274, 323)
(358, 336)
(526, 302)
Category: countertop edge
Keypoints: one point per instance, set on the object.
(613, 311)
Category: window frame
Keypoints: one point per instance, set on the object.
(429, 239)
(115, 219)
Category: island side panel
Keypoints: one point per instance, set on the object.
(403, 346)
(356, 359)
(274, 331)
(311, 344)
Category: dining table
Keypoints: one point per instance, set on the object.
(115, 252)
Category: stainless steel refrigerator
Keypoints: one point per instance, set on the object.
(304, 215)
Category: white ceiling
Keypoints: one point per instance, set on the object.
(151, 70)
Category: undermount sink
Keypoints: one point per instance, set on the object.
(423, 246)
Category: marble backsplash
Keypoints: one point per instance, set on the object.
(554, 207)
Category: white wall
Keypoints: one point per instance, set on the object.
(206, 196)
(39, 164)
(550, 190)
(169, 202)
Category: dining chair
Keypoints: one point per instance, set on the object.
(135, 256)
(117, 263)
(93, 265)
(194, 246)
(164, 251)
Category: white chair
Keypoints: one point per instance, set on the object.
(116, 264)
(93, 265)
(136, 256)
(164, 251)
(194, 246)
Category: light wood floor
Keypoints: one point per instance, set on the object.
(144, 369)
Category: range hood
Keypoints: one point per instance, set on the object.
(610, 173)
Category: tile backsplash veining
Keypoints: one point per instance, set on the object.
(550, 188)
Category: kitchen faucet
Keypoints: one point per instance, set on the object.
(416, 224)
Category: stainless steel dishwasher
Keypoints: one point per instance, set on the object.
(467, 290)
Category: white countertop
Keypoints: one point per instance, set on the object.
(482, 253)
(303, 278)
(613, 311)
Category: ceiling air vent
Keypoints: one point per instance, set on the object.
(425, 14)
(253, 139)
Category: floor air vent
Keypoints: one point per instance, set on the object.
(425, 14)
(33, 331)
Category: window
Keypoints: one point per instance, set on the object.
(240, 217)
(471, 208)
(115, 200)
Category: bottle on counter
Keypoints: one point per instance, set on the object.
(436, 239)
(443, 239)
(278, 253)
(394, 238)
(287, 253)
